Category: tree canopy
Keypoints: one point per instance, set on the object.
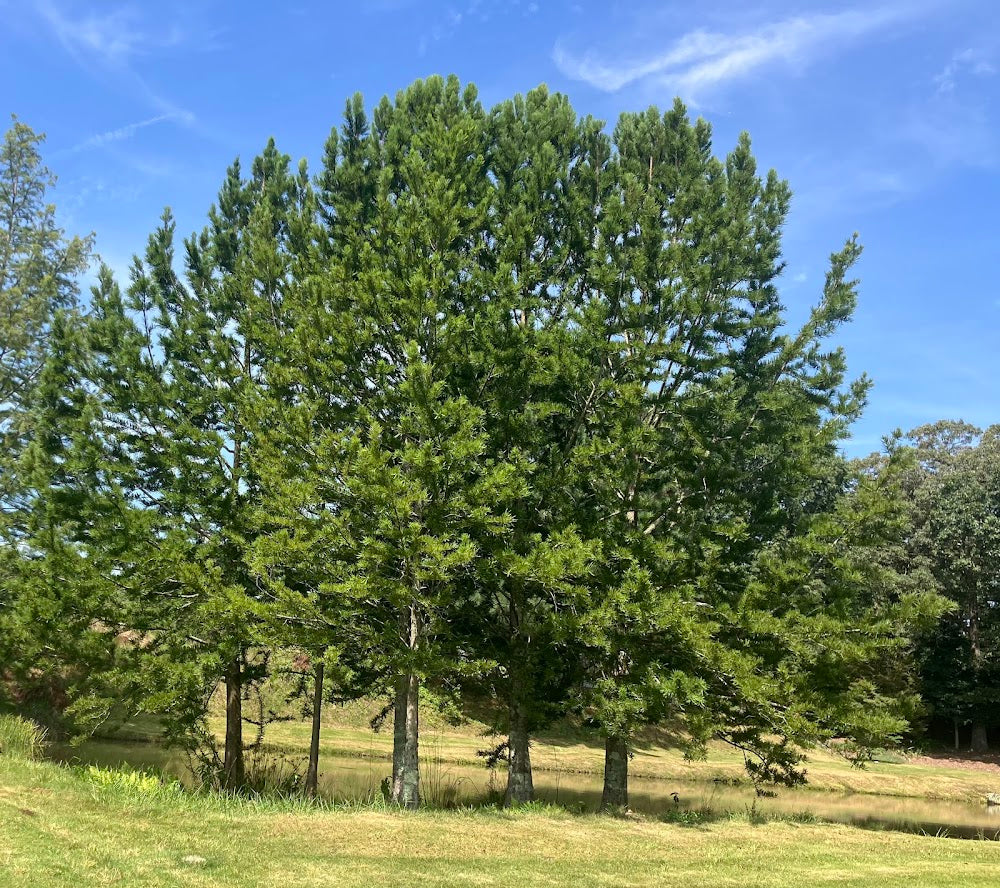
(500, 407)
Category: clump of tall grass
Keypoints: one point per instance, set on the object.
(21, 738)
(129, 784)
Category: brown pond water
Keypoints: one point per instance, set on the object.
(345, 778)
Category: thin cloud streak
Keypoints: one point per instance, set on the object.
(702, 59)
(107, 45)
(118, 135)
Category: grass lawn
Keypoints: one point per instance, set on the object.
(59, 827)
(571, 749)
(576, 750)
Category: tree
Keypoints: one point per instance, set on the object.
(39, 329)
(179, 360)
(56, 652)
(713, 444)
(955, 489)
(381, 475)
(39, 267)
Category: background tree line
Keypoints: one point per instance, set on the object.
(500, 410)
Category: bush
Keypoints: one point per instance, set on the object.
(21, 738)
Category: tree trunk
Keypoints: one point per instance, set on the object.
(615, 795)
(406, 725)
(406, 742)
(312, 774)
(980, 742)
(956, 734)
(520, 787)
(234, 768)
(399, 735)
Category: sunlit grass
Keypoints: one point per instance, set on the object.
(575, 750)
(74, 828)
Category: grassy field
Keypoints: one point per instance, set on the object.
(63, 827)
(571, 749)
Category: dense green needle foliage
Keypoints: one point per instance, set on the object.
(45, 640)
(498, 410)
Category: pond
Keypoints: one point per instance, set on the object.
(344, 778)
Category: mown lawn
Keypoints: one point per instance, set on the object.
(61, 828)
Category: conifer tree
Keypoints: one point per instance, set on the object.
(179, 357)
(39, 267)
(384, 468)
(715, 436)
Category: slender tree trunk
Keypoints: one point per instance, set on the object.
(406, 742)
(312, 774)
(520, 787)
(406, 726)
(234, 768)
(955, 721)
(399, 735)
(980, 741)
(615, 795)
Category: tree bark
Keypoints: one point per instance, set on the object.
(520, 787)
(234, 768)
(406, 742)
(406, 726)
(312, 774)
(615, 795)
(980, 741)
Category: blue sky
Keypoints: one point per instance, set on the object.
(884, 117)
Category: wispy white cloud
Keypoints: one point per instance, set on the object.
(968, 61)
(109, 44)
(99, 140)
(113, 35)
(701, 59)
(957, 124)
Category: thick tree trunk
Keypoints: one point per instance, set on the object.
(980, 741)
(312, 774)
(406, 725)
(520, 787)
(234, 769)
(615, 795)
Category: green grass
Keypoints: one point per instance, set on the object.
(20, 738)
(568, 748)
(80, 828)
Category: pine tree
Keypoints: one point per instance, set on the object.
(55, 648)
(382, 474)
(180, 359)
(39, 267)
